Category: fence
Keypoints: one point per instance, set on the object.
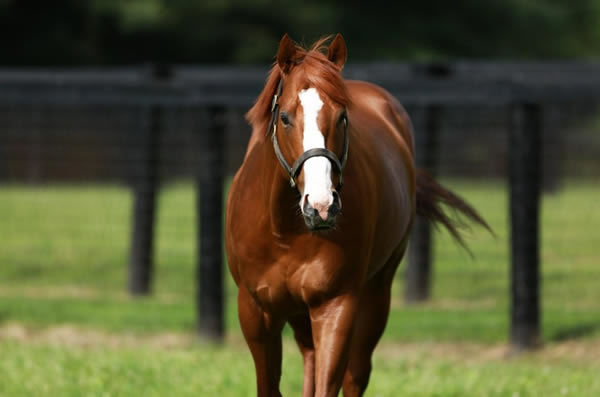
(142, 125)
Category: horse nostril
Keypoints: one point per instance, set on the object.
(308, 209)
(336, 199)
(336, 205)
(305, 205)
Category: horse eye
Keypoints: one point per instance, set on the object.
(285, 119)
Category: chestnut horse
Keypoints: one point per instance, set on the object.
(295, 252)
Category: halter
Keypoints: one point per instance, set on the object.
(294, 170)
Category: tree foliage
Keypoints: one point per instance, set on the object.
(108, 32)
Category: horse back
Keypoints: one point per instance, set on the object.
(384, 108)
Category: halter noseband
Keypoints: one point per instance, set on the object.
(294, 170)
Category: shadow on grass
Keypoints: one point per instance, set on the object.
(575, 332)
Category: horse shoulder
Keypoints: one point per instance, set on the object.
(245, 219)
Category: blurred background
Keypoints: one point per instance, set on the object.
(121, 126)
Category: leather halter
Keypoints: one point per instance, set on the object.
(294, 170)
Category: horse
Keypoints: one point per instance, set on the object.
(297, 255)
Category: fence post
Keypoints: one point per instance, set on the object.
(209, 272)
(524, 161)
(145, 181)
(418, 269)
(553, 147)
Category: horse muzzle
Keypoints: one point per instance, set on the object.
(321, 216)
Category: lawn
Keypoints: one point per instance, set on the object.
(63, 262)
(46, 367)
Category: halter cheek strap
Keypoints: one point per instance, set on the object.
(294, 170)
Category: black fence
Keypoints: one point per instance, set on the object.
(141, 126)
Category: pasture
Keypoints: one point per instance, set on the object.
(67, 326)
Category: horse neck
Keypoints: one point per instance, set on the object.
(279, 200)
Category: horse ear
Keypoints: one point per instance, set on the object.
(337, 52)
(286, 53)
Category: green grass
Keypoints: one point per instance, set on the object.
(49, 370)
(33, 370)
(63, 260)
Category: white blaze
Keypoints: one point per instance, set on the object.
(317, 170)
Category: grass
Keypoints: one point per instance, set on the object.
(50, 369)
(63, 256)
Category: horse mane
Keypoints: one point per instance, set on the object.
(317, 71)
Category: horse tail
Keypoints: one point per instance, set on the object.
(431, 196)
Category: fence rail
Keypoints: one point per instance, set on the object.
(495, 84)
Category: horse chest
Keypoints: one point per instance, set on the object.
(270, 291)
(316, 280)
(291, 282)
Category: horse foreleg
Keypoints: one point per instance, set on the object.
(303, 335)
(263, 336)
(370, 323)
(372, 316)
(332, 325)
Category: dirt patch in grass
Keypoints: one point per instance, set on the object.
(72, 291)
(69, 335)
(582, 351)
(448, 304)
(63, 291)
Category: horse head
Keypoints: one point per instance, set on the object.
(309, 123)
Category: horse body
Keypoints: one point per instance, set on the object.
(332, 286)
(378, 209)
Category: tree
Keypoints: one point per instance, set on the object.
(105, 32)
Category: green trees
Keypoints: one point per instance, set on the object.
(76, 32)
